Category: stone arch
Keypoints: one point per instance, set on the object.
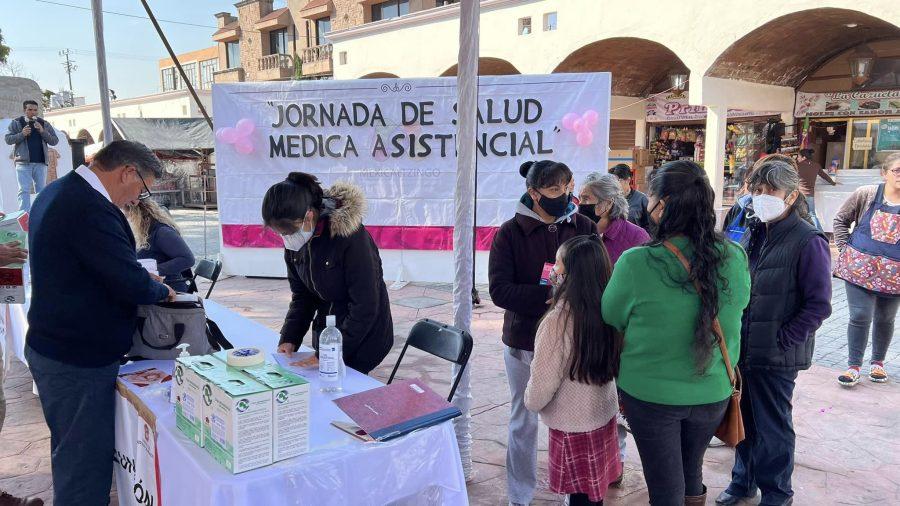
(785, 50)
(380, 75)
(638, 66)
(487, 67)
(86, 136)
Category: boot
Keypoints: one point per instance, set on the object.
(696, 500)
(9, 500)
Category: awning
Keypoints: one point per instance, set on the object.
(166, 134)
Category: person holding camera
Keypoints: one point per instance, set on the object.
(30, 135)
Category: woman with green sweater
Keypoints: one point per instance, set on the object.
(673, 382)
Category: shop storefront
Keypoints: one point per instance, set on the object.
(851, 130)
(676, 131)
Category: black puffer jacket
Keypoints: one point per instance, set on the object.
(339, 272)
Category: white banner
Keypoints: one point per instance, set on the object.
(396, 139)
(136, 469)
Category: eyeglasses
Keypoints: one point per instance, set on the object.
(895, 171)
(146, 194)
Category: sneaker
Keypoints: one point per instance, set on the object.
(11, 500)
(877, 374)
(849, 378)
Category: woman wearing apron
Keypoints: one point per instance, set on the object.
(869, 263)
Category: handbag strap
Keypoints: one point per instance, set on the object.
(716, 327)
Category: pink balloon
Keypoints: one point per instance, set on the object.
(245, 127)
(568, 121)
(578, 125)
(244, 146)
(228, 135)
(591, 117)
(584, 138)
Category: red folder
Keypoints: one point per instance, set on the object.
(396, 409)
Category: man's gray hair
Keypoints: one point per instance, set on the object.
(593, 176)
(606, 188)
(119, 153)
(777, 174)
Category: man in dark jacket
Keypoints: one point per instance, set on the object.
(30, 135)
(86, 284)
(637, 201)
(338, 271)
(523, 247)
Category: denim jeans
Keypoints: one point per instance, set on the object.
(521, 452)
(30, 175)
(671, 441)
(79, 407)
(869, 309)
(811, 204)
(765, 458)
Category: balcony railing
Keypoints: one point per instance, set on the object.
(316, 54)
(276, 61)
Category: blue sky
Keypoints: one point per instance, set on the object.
(37, 30)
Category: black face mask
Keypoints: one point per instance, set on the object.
(589, 210)
(555, 207)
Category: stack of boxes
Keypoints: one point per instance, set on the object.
(246, 417)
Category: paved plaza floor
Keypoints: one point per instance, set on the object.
(848, 448)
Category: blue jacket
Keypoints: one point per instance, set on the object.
(86, 282)
(14, 136)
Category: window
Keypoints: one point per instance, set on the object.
(343, 57)
(207, 69)
(323, 26)
(169, 79)
(278, 41)
(549, 21)
(524, 26)
(190, 70)
(232, 55)
(388, 10)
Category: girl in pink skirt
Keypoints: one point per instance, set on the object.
(572, 384)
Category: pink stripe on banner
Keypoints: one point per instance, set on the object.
(386, 237)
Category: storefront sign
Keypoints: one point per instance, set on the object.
(862, 144)
(889, 135)
(395, 139)
(847, 104)
(675, 107)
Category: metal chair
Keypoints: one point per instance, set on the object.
(440, 340)
(206, 269)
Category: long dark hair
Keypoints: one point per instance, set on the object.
(595, 357)
(287, 201)
(689, 212)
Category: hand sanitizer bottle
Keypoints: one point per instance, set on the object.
(331, 357)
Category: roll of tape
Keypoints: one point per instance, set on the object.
(245, 357)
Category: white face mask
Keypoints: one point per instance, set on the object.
(768, 207)
(297, 240)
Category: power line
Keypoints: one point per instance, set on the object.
(124, 14)
(88, 52)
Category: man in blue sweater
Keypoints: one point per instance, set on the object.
(86, 284)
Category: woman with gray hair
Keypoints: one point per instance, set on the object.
(790, 273)
(602, 200)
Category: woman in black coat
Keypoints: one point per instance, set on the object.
(333, 268)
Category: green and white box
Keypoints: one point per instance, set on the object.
(237, 420)
(188, 381)
(290, 405)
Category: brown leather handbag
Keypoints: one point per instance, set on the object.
(731, 430)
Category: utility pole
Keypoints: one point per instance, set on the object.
(100, 47)
(70, 67)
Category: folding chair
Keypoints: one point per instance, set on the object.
(206, 269)
(440, 340)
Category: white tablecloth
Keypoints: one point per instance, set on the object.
(421, 468)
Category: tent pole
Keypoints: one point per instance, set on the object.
(184, 78)
(463, 238)
(100, 47)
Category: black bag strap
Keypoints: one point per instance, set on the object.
(178, 335)
(215, 336)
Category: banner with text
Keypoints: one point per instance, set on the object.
(845, 104)
(136, 464)
(395, 138)
(675, 107)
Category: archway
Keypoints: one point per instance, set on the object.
(488, 67)
(379, 75)
(639, 67)
(786, 50)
